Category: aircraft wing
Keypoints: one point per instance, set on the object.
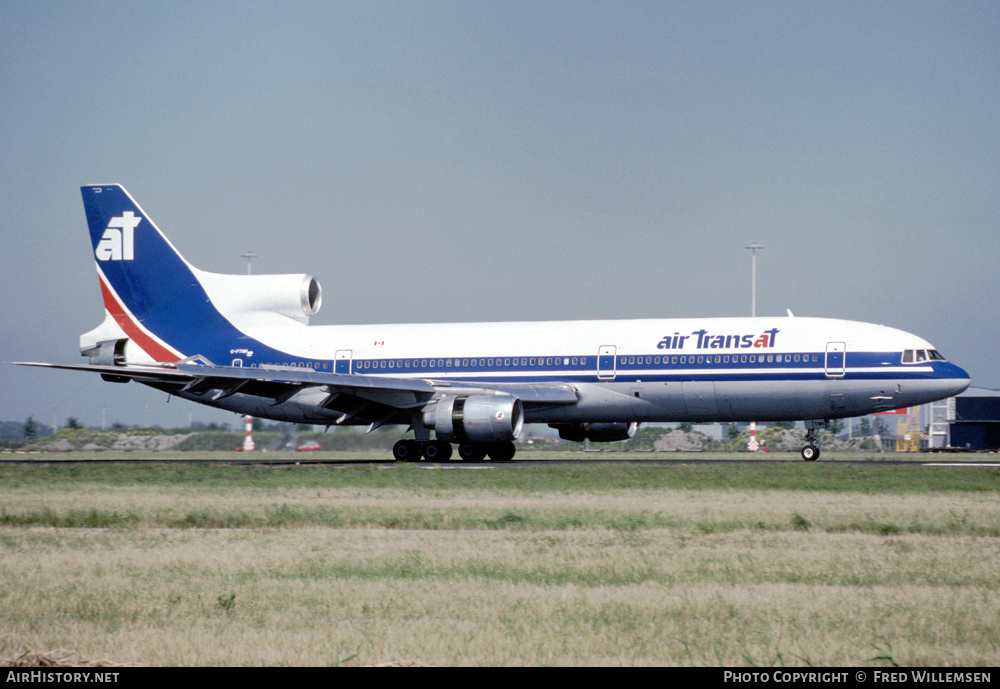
(359, 398)
(373, 386)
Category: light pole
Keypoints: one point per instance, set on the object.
(248, 444)
(752, 445)
(753, 277)
(249, 256)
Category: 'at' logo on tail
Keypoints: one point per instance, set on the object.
(117, 243)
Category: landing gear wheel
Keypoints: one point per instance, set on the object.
(471, 452)
(810, 453)
(438, 451)
(406, 451)
(502, 452)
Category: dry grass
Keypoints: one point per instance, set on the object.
(629, 577)
(316, 596)
(701, 511)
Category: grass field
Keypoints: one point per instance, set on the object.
(599, 564)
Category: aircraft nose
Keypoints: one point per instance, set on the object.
(959, 378)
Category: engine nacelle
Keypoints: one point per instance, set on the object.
(295, 296)
(107, 353)
(477, 419)
(596, 432)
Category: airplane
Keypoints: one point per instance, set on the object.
(243, 343)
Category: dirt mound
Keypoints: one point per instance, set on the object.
(148, 443)
(54, 659)
(679, 441)
(61, 445)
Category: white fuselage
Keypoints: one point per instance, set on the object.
(717, 369)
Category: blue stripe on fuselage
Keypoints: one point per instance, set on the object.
(494, 370)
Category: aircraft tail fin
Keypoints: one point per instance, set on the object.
(161, 309)
(150, 292)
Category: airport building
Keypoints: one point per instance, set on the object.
(976, 425)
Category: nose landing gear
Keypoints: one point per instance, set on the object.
(810, 452)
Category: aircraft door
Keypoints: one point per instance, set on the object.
(342, 363)
(606, 362)
(699, 399)
(836, 353)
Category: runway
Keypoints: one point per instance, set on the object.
(525, 463)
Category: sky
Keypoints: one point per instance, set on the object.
(490, 161)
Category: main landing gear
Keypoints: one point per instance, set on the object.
(440, 451)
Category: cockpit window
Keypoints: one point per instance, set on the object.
(911, 356)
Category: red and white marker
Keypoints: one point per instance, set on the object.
(248, 440)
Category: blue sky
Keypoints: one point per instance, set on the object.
(462, 161)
